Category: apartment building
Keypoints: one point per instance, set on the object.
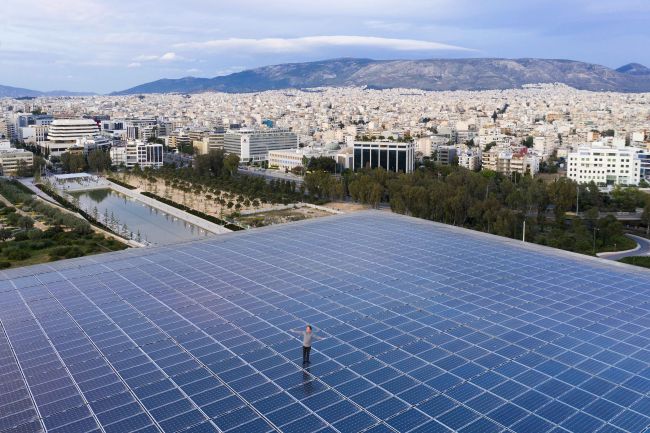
(507, 160)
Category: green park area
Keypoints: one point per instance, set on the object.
(33, 231)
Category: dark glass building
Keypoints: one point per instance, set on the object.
(390, 155)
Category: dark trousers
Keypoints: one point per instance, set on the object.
(305, 354)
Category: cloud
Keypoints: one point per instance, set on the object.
(134, 65)
(291, 45)
(229, 70)
(167, 57)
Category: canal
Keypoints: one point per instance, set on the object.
(140, 221)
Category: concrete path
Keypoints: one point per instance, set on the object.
(642, 249)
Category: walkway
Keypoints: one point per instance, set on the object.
(642, 249)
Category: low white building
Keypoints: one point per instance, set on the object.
(11, 159)
(254, 145)
(604, 165)
(135, 152)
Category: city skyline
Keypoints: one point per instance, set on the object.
(101, 47)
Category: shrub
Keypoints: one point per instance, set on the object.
(18, 254)
(5, 265)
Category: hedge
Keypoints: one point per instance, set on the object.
(120, 183)
(205, 216)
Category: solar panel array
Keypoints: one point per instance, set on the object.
(427, 328)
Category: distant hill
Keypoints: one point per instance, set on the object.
(434, 74)
(634, 69)
(17, 92)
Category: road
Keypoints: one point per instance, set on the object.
(643, 249)
(271, 174)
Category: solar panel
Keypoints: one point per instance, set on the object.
(427, 327)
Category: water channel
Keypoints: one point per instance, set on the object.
(154, 226)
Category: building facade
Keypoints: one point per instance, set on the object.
(12, 159)
(255, 145)
(390, 155)
(136, 152)
(66, 133)
(604, 166)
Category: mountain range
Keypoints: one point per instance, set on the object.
(434, 74)
(18, 92)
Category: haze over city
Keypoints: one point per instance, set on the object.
(103, 46)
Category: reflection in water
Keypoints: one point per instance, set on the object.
(135, 218)
(307, 382)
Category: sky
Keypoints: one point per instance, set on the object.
(108, 45)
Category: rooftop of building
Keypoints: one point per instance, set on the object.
(426, 327)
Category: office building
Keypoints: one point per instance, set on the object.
(254, 145)
(136, 152)
(390, 155)
(447, 155)
(12, 159)
(64, 134)
(604, 165)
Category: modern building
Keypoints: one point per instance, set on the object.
(289, 159)
(136, 152)
(390, 155)
(254, 145)
(66, 133)
(604, 165)
(12, 159)
(447, 155)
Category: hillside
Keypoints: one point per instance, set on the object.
(434, 74)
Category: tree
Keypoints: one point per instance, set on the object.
(231, 163)
(99, 160)
(645, 218)
(5, 234)
(528, 141)
(73, 162)
(321, 163)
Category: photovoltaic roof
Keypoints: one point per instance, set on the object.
(428, 328)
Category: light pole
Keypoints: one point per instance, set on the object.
(594, 247)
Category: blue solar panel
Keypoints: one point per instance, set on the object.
(428, 328)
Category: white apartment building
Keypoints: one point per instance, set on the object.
(136, 152)
(470, 159)
(604, 165)
(508, 160)
(66, 133)
(254, 145)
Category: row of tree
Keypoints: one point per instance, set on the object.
(493, 203)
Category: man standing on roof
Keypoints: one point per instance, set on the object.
(307, 337)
